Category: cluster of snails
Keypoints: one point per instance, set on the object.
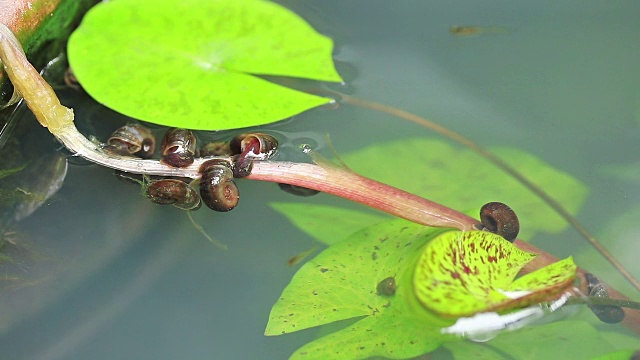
(178, 149)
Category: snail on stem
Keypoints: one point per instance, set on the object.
(178, 147)
(250, 147)
(132, 139)
(173, 192)
(217, 189)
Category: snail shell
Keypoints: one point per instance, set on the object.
(297, 190)
(500, 219)
(250, 147)
(257, 146)
(132, 139)
(387, 287)
(217, 189)
(178, 147)
(174, 192)
(606, 313)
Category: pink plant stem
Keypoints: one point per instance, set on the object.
(349, 185)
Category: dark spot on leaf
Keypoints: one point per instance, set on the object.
(374, 256)
(407, 244)
(387, 304)
(324, 270)
(404, 228)
(376, 247)
(334, 309)
(315, 293)
(291, 314)
(361, 348)
(383, 239)
(387, 287)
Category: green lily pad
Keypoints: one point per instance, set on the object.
(191, 63)
(463, 273)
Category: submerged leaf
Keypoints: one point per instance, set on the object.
(313, 220)
(191, 63)
(8, 172)
(558, 340)
(455, 177)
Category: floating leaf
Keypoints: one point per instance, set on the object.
(313, 220)
(342, 283)
(191, 63)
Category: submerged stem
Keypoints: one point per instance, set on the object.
(556, 206)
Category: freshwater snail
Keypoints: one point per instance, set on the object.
(258, 146)
(178, 147)
(132, 139)
(606, 313)
(500, 219)
(297, 190)
(217, 189)
(174, 192)
(249, 147)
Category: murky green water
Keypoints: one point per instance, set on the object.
(120, 278)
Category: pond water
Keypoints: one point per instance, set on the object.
(116, 277)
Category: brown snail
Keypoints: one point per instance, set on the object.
(173, 192)
(258, 146)
(250, 147)
(500, 219)
(297, 190)
(217, 189)
(178, 147)
(606, 313)
(132, 139)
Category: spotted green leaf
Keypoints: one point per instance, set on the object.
(463, 273)
(192, 63)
